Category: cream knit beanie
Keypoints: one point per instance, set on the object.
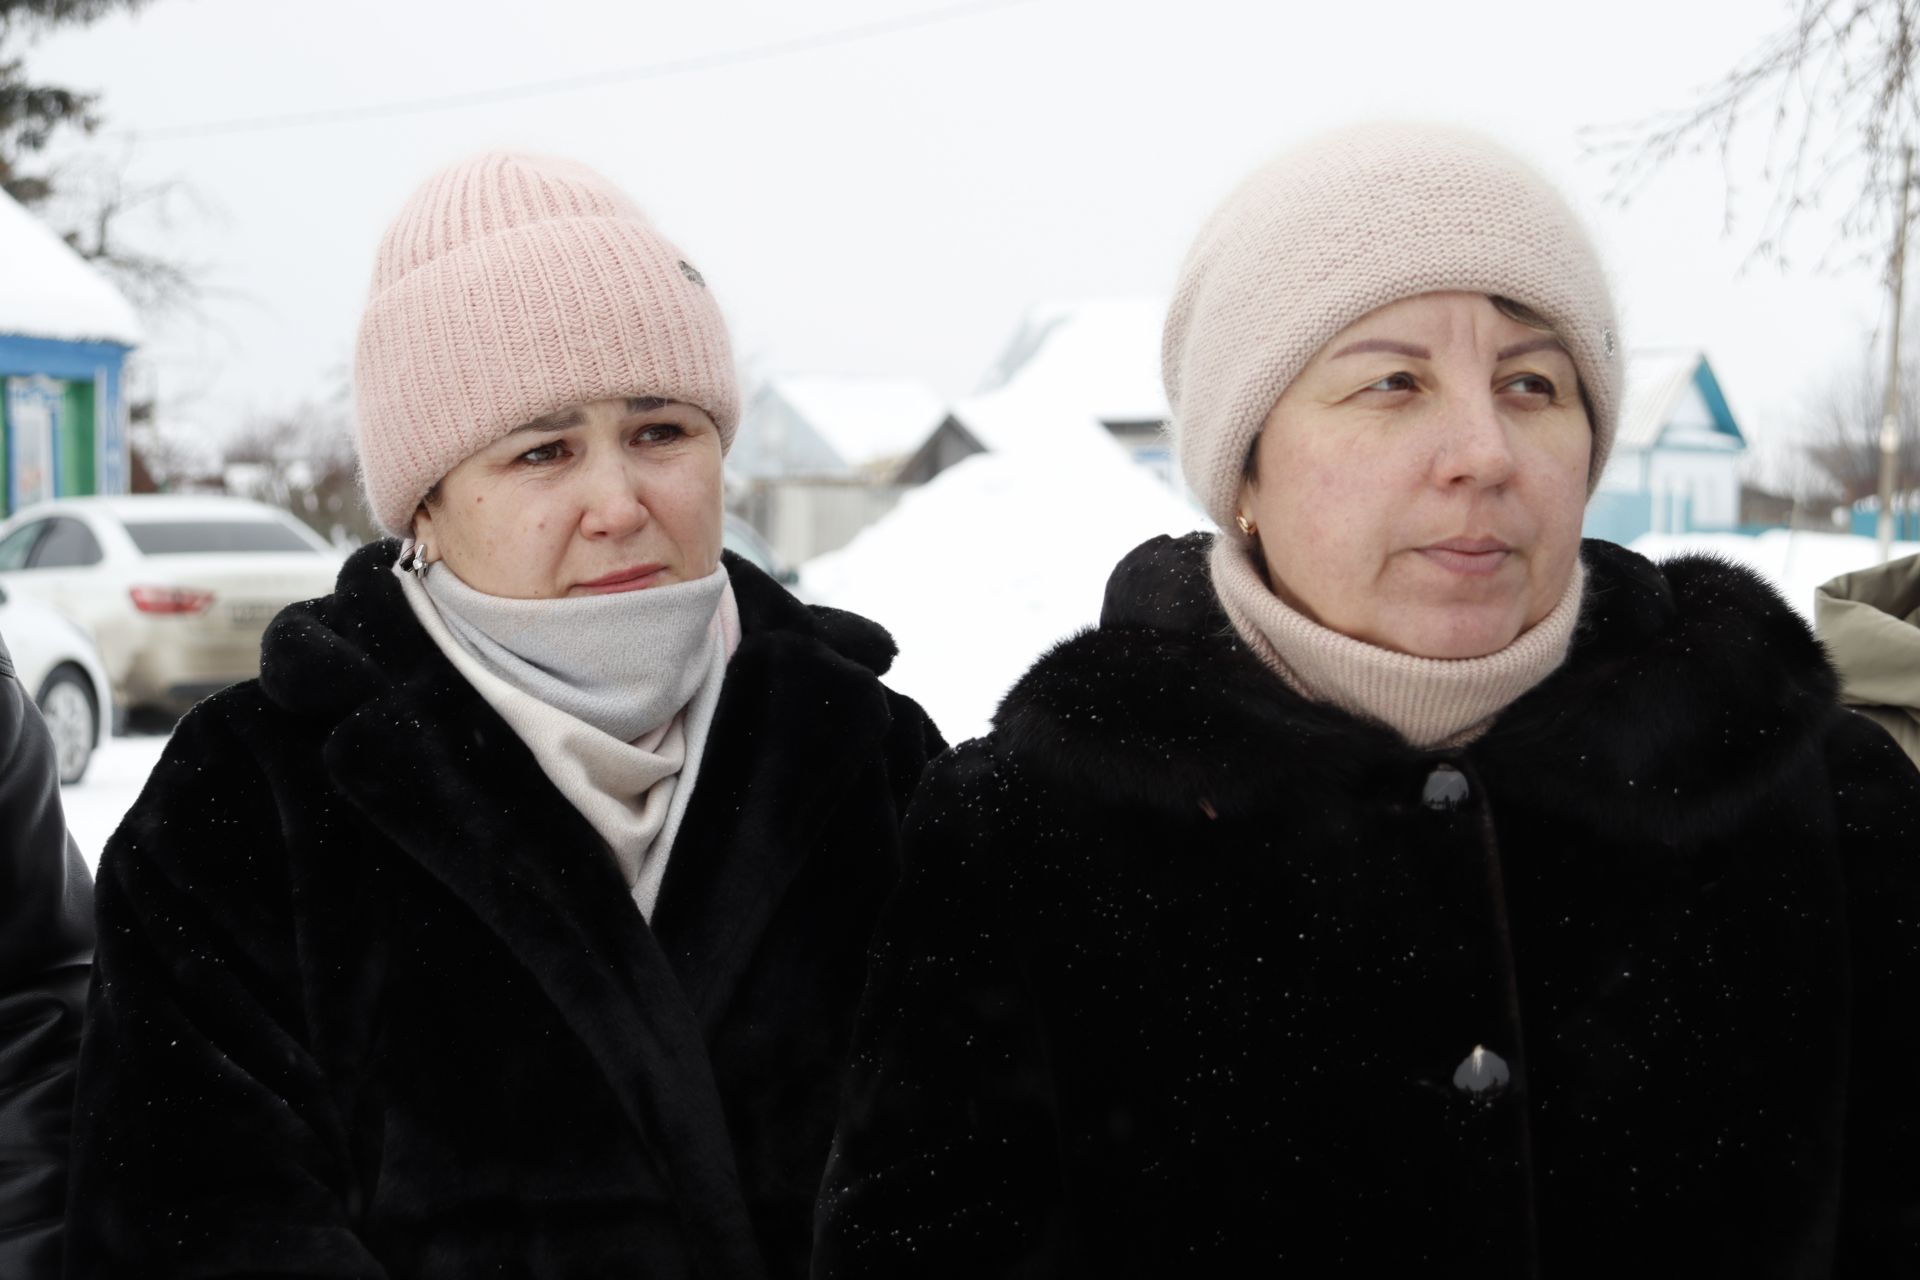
(511, 286)
(1322, 235)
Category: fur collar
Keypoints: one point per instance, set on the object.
(326, 657)
(1689, 682)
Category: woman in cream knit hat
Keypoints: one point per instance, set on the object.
(1392, 884)
(512, 922)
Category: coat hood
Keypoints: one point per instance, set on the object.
(327, 656)
(1685, 679)
(1870, 621)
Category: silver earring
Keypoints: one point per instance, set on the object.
(1246, 525)
(413, 557)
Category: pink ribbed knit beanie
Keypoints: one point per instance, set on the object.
(511, 286)
(1322, 235)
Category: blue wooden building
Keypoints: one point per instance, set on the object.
(65, 332)
(1676, 454)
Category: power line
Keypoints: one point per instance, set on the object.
(574, 84)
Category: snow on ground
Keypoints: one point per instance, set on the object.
(1795, 562)
(979, 570)
(95, 806)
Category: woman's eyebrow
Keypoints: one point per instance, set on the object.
(567, 419)
(1383, 344)
(559, 420)
(1532, 344)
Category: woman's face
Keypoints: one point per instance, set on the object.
(1420, 485)
(614, 495)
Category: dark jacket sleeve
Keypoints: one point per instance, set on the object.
(46, 940)
(943, 1161)
(1877, 796)
(206, 1141)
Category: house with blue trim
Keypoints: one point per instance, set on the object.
(1677, 454)
(65, 332)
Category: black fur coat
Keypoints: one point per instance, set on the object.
(373, 1000)
(1187, 975)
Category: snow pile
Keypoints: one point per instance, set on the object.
(976, 572)
(48, 291)
(1794, 562)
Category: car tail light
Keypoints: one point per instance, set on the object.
(169, 599)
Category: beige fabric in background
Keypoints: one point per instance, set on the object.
(1870, 623)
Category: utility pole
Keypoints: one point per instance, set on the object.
(1890, 417)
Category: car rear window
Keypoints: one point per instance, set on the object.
(197, 537)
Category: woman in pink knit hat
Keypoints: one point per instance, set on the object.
(1393, 884)
(512, 922)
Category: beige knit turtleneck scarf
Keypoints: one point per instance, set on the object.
(1431, 702)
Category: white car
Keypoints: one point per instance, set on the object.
(174, 591)
(58, 667)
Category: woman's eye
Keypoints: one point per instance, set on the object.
(1532, 384)
(541, 453)
(1393, 382)
(660, 433)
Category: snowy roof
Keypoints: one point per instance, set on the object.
(864, 420)
(49, 291)
(1071, 369)
(1101, 356)
(1008, 421)
(1658, 383)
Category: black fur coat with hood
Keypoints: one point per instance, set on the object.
(1189, 976)
(373, 1000)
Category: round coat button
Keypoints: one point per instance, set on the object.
(1482, 1072)
(1446, 788)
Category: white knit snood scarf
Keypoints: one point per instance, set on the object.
(1431, 702)
(613, 694)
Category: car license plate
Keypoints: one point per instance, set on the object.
(252, 615)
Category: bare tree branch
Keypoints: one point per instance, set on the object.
(302, 458)
(1843, 437)
(1834, 91)
(111, 221)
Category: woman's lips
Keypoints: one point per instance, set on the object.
(636, 578)
(1471, 557)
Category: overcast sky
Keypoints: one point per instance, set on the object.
(868, 195)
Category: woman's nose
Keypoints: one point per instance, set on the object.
(614, 503)
(1474, 447)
